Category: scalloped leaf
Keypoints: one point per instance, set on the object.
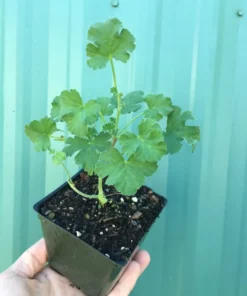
(69, 107)
(148, 146)
(132, 102)
(108, 40)
(106, 108)
(177, 131)
(159, 106)
(39, 133)
(88, 150)
(68, 102)
(110, 127)
(126, 175)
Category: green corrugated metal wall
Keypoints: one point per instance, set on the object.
(196, 52)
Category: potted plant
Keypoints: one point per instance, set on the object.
(93, 223)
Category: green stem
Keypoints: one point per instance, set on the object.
(114, 141)
(58, 138)
(100, 186)
(102, 117)
(72, 185)
(67, 173)
(119, 107)
(129, 123)
(101, 195)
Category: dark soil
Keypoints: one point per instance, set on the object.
(115, 229)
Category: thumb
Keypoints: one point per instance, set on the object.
(31, 261)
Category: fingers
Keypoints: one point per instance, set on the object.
(143, 258)
(32, 261)
(131, 275)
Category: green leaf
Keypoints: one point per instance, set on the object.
(109, 40)
(68, 102)
(39, 133)
(177, 131)
(126, 175)
(76, 124)
(52, 151)
(129, 142)
(153, 113)
(101, 142)
(79, 121)
(89, 150)
(148, 146)
(58, 157)
(87, 158)
(56, 110)
(114, 90)
(91, 133)
(114, 101)
(131, 102)
(106, 108)
(74, 144)
(70, 108)
(110, 127)
(159, 106)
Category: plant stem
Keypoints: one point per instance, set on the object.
(101, 195)
(119, 107)
(114, 141)
(100, 185)
(67, 173)
(129, 123)
(102, 117)
(72, 185)
(58, 138)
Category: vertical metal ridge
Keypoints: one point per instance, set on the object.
(39, 42)
(220, 129)
(68, 43)
(23, 112)
(68, 58)
(233, 260)
(195, 49)
(241, 285)
(7, 218)
(57, 66)
(2, 38)
(157, 49)
(83, 29)
(240, 277)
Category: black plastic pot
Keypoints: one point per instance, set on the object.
(84, 266)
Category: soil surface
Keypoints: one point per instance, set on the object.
(115, 229)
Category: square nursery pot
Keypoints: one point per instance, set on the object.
(87, 268)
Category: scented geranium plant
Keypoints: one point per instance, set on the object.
(97, 142)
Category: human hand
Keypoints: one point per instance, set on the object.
(29, 276)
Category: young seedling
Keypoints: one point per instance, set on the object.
(97, 141)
